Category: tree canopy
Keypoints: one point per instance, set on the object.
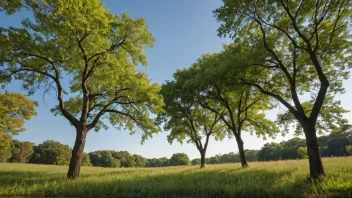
(96, 52)
(292, 49)
(209, 84)
(15, 109)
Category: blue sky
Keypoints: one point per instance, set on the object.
(184, 29)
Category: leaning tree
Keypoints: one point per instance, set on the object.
(87, 56)
(303, 48)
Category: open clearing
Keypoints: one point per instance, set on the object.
(261, 179)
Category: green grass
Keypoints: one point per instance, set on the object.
(261, 179)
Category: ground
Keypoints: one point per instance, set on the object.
(261, 179)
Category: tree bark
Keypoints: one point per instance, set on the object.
(241, 151)
(77, 154)
(202, 159)
(315, 164)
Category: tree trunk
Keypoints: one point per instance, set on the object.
(202, 159)
(241, 151)
(77, 154)
(315, 164)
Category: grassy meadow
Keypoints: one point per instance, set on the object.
(261, 179)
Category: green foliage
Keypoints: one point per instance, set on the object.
(10, 6)
(302, 153)
(291, 49)
(195, 161)
(5, 147)
(155, 162)
(86, 160)
(179, 159)
(98, 50)
(270, 152)
(15, 109)
(21, 151)
(188, 120)
(51, 152)
(210, 83)
(349, 149)
(289, 148)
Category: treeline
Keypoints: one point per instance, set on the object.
(55, 153)
(332, 145)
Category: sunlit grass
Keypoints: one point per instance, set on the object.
(261, 179)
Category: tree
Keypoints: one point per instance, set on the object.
(86, 160)
(251, 155)
(179, 159)
(337, 147)
(302, 152)
(270, 152)
(98, 51)
(239, 107)
(349, 149)
(290, 147)
(5, 147)
(196, 161)
(186, 119)
(51, 152)
(21, 151)
(15, 109)
(292, 49)
(140, 160)
(107, 160)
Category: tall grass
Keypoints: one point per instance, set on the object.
(261, 179)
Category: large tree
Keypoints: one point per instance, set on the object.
(240, 108)
(87, 56)
(187, 119)
(302, 48)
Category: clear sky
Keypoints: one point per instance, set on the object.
(184, 29)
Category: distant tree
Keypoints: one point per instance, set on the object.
(5, 147)
(100, 51)
(251, 155)
(196, 161)
(187, 120)
(95, 158)
(289, 148)
(86, 160)
(51, 152)
(302, 152)
(140, 160)
(337, 147)
(179, 159)
(349, 149)
(270, 152)
(21, 151)
(107, 160)
(290, 49)
(214, 160)
(229, 158)
(125, 158)
(165, 161)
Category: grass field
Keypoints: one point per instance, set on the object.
(261, 179)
